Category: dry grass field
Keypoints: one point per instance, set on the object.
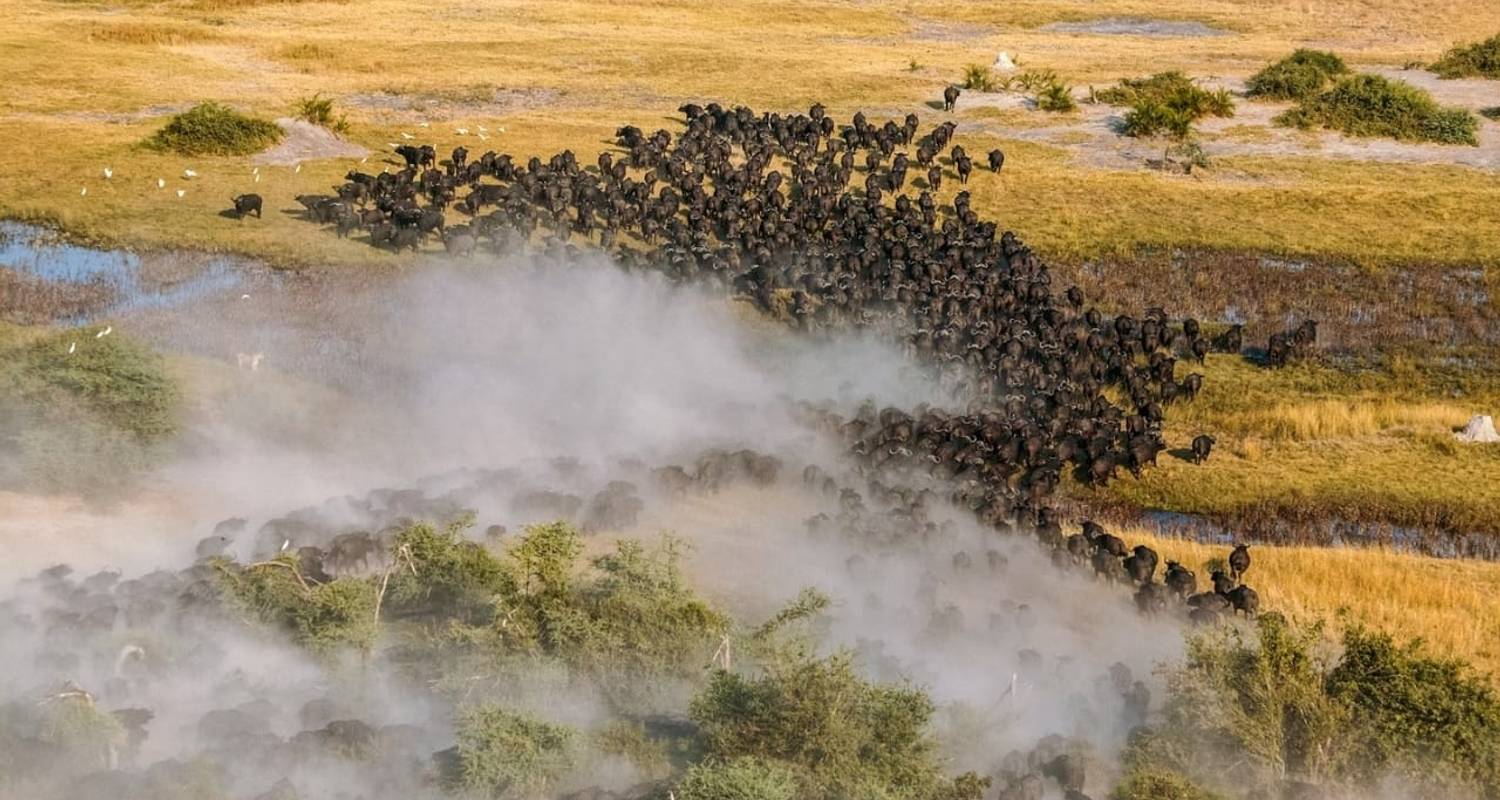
(87, 81)
(1454, 606)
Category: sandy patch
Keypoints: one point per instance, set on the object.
(486, 103)
(1136, 26)
(305, 141)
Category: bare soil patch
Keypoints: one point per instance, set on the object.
(305, 141)
(1137, 26)
(485, 102)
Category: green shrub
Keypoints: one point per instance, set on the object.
(322, 617)
(740, 779)
(1149, 118)
(122, 382)
(503, 754)
(90, 421)
(842, 735)
(1172, 89)
(1159, 785)
(216, 130)
(1478, 60)
(1370, 105)
(1035, 80)
(1056, 97)
(1166, 104)
(979, 78)
(1300, 75)
(319, 111)
(1252, 710)
(1415, 715)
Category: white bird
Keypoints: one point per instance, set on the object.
(244, 297)
(255, 171)
(257, 179)
(187, 173)
(482, 137)
(501, 129)
(298, 169)
(181, 193)
(285, 545)
(482, 129)
(109, 172)
(363, 160)
(84, 191)
(462, 131)
(105, 332)
(424, 124)
(161, 183)
(407, 136)
(392, 145)
(72, 347)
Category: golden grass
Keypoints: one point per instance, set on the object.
(619, 62)
(1371, 445)
(1453, 605)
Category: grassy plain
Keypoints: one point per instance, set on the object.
(87, 81)
(1454, 606)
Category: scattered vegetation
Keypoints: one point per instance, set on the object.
(214, 129)
(1267, 710)
(94, 416)
(1301, 75)
(1478, 60)
(322, 617)
(319, 111)
(1371, 105)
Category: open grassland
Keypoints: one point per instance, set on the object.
(1308, 443)
(87, 82)
(1453, 605)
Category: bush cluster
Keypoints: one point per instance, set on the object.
(93, 418)
(319, 111)
(1166, 104)
(1265, 711)
(1371, 105)
(1478, 60)
(1300, 75)
(213, 129)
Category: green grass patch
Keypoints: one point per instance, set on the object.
(1371, 105)
(1478, 60)
(214, 129)
(1302, 74)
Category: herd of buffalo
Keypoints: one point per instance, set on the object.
(761, 205)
